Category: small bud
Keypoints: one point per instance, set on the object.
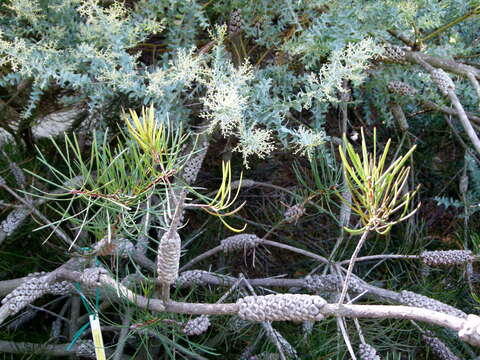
(447, 257)
(191, 277)
(168, 257)
(331, 283)
(401, 88)
(413, 299)
(235, 22)
(368, 352)
(439, 349)
(192, 167)
(394, 54)
(197, 326)
(294, 213)
(240, 242)
(443, 81)
(190, 170)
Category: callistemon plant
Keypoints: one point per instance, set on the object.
(378, 195)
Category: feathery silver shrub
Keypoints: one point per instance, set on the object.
(394, 54)
(197, 326)
(168, 257)
(13, 220)
(26, 293)
(439, 349)
(367, 352)
(86, 349)
(293, 213)
(401, 88)
(240, 242)
(446, 257)
(413, 299)
(330, 282)
(281, 307)
(443, 81)
(191, 277)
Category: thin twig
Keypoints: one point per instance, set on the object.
(379, 257)
(462, 116)
(122, 338)
(475, 84)
(341, 325)
(49, 312)
(34, 210)
(350, 266)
